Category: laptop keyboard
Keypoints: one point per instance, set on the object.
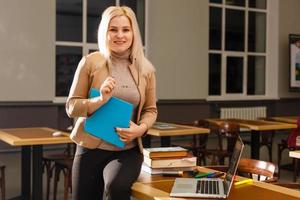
(208, 187)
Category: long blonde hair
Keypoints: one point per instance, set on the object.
(137, 54)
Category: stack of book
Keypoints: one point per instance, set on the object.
(162, 160)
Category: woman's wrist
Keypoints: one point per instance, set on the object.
(94, 104)
(144, 128)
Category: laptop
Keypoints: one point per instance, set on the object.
(209, 187)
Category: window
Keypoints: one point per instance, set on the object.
(237, 48)
(76, 34)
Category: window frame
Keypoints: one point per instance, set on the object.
(268, 54)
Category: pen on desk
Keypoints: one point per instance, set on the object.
(202, 175)
(212, 175)
(216, 175)
(173, 173)
(246, 181)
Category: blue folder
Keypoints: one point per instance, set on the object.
(102, 123)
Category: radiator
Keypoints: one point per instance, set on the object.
(251, 113)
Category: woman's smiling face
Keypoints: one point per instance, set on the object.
(120, 35)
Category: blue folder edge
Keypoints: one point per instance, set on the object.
(102, 123)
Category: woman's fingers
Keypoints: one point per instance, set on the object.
(109, 83)
(108, 86)
(125, 136)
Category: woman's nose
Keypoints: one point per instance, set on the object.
(119, 34)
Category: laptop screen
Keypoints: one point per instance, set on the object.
(234, 161)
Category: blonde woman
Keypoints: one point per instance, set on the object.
(120, 69)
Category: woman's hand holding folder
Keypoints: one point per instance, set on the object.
(106, 92)
(134, 131)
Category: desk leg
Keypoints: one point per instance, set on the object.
(37, 180)
(296, 168)
(255, 135)
(165, 141)
(25, 172)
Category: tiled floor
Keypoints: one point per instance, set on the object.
(12, 161)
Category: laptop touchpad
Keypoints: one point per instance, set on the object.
(185, 185)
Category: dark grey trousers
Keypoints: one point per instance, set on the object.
(99, 174)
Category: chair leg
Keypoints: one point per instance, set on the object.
(49, 171)
(66, 185)
(296, 166)
(270, 146)
(3, 183)
(70, 180)
(56, 179)
(214, 160)
(201, 159)
(279, 152)
(221, 161)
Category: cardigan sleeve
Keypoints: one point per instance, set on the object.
(149, 110)
(77, 101)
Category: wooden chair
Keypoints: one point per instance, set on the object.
(256, 169)
(290, 144)
(227, 133)
(49, 162)
(266, 139)
(64, 166)
(198, 144)
(263, 171)
(2, 180)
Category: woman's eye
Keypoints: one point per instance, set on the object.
(113, 30)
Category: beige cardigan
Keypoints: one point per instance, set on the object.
(91, 72)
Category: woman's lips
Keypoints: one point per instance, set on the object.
(120, 42)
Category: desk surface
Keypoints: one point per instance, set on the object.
(32, 136)
(169, 129)
(287, 119)
(157, 187)
(257, 125)
(295, 154)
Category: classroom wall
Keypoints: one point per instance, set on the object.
(177, 44)
(289, 16)
(27, 54)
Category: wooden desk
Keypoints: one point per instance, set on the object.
(256, 127)
(31, 141)
(158, 188)
(165, 130)
(286, 119)
(295, 154)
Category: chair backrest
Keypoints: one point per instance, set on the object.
(292, 138)
(229, 132)
(201, 139)
(201, 123)
(256, 169)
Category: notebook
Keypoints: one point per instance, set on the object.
(209, 187)
(114, 113)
